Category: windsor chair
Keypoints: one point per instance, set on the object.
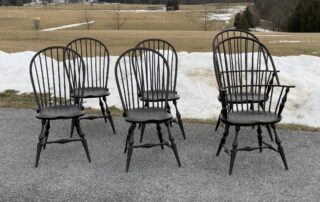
(55, 73)
(169, 53)
(96, 58)
(243, 61)
(250, 112)
(140, 71)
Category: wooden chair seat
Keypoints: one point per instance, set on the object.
(148, 115)
(92, 93)
(60, 112)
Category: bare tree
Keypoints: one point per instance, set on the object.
(119, 19)
(87, 19)
(202, 18)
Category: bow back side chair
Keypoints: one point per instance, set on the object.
(250, 112)
(225, 34)
(243, 61)
(96, 58)
(169, 53)
(139, 71)
(56, 72)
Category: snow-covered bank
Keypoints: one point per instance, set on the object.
(226, 14)
(67, 26)
(197, 86)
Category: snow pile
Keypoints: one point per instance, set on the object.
(293, 41)
(260, 29)
(197, 85)
(226, 14)
(68, 26)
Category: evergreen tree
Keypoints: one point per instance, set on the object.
(244, 24)
(237, 20)
(250, 18)
(305, 17)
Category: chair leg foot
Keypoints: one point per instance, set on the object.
(83, 139)
(280, 148)
(233, 157)
(259, 131)
(179, 119)
(130, 150)
(223, 139)
(234, 150)
(85, 146)
(130, 142)
(39, 148)
(173, 145)
(40, 145)
(143, 127)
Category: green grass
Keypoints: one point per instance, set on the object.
(12, 99)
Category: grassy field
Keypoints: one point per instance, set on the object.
(180, 28)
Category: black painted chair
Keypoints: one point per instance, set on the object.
(55, 73)
(96, 58)
(170, 54)
(243, 61)
(252, 109)
(225, 34)
(141, 71)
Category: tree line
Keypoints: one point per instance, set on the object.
(290, 15)
(21, 2)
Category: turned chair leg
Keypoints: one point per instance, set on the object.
(46, 136)
(72, 128)
(83, 139)
(280, 148)
(218, 124)
(223, 139)
(39, 145)
(109, 115)
(173, 144)
(130, 131)
(102, 110)
(130, 142)
(269, 132)
(179, 119)
(143, 127)
(234, 150)
(259, 131)
(160, 135)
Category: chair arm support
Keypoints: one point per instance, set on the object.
(284, 99)
(224, 102)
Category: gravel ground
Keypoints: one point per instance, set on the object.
(64, 173)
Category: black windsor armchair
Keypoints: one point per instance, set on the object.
(243, 61)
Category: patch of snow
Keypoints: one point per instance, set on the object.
(259, 29)
(293, 41)
(196, 74)
(67, 26)
(226, 14)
